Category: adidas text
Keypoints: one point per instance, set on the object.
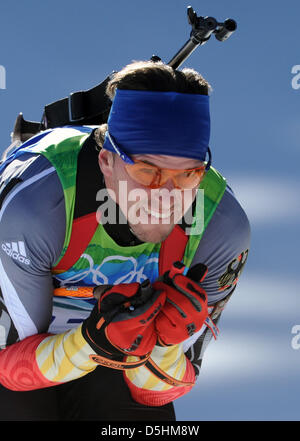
(11, 251)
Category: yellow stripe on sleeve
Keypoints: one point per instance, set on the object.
(65, 357)
(170, 359)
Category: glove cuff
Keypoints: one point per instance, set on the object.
(120, 365)
(110, 355)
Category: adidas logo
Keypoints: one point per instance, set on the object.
(16, 250)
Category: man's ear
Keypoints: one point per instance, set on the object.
(106, 162)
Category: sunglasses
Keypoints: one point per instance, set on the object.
(151, 176)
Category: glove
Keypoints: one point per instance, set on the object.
(185, 308)
(122, 322)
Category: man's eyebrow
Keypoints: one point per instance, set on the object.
(148, 162)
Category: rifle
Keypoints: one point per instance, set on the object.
(91, 107)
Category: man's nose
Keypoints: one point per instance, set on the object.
(169, 184)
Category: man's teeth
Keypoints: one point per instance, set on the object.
(156, 214)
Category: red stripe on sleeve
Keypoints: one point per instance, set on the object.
(150, 397)
(19, 370)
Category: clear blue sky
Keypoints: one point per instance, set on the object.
(49, 49)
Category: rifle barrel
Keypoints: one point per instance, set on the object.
(183, 53)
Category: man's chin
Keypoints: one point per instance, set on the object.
(152, 233)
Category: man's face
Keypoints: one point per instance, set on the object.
(151, 213)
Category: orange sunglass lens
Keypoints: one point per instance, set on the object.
(151, 176)
(142, 173)
(189, 178)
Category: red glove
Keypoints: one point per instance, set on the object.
(185, 309)
(122, 322)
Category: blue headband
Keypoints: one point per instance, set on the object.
(161, 123)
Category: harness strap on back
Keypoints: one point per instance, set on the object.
(84, 107)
